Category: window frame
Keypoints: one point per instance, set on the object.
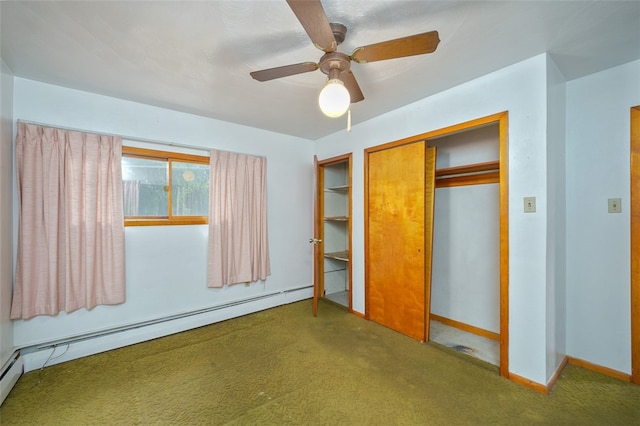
(169, 157)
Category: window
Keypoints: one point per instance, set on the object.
(164, 188)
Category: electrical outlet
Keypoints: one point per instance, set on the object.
(529, 204)
(615, 205)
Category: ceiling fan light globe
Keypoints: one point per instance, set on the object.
(334, 99)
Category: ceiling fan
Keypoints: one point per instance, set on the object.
(342, 88)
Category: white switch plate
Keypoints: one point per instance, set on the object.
(529, 204)
(615, 205)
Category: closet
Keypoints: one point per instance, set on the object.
(465, 284)
(436, 234)
(333, 278)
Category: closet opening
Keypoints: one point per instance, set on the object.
(333, 222)
(465, 275)
(437, 228)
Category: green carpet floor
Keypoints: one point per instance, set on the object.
(283, 366)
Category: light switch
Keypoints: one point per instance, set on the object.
(615, 205)
(529, 204)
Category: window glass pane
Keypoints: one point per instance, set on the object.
(190, 189)
(144, 183)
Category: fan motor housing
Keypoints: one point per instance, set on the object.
(334, 61)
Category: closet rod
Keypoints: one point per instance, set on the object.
(129, 138)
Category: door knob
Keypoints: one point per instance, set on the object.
(314, 241)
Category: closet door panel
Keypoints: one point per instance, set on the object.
(396, 239)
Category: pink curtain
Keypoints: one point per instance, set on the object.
(71, 224)
(238, 243)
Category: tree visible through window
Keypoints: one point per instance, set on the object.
(164, 188)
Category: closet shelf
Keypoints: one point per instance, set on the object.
(338, 255)
(336, 218)
(489, 166)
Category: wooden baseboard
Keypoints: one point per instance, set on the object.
(356, 313)
(538, 387)
(599, 369)
(554, 379)
(466, 327)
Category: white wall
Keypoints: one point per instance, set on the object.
(598, 247)
(166, 266)
(521, 90)
(6, 212)
(556, 222)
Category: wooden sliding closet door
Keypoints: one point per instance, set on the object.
(400, 189)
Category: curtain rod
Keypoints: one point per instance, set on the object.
(129, 138)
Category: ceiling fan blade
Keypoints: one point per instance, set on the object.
(314, 21)
(352, 86)
(285, 71)
(406, 46)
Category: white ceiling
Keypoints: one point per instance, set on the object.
(195, 56)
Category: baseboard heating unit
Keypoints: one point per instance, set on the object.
(45, 354)
(11, 372)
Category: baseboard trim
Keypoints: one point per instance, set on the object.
(554, 379)
(599, 369)
(358, 314)
(538, 387)
(466, 327)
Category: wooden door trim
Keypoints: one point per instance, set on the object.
(635, 244)
(503, 124)
(318, 264)
(429, 185)
(445, 131)
(502, 120)
(320, 220)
